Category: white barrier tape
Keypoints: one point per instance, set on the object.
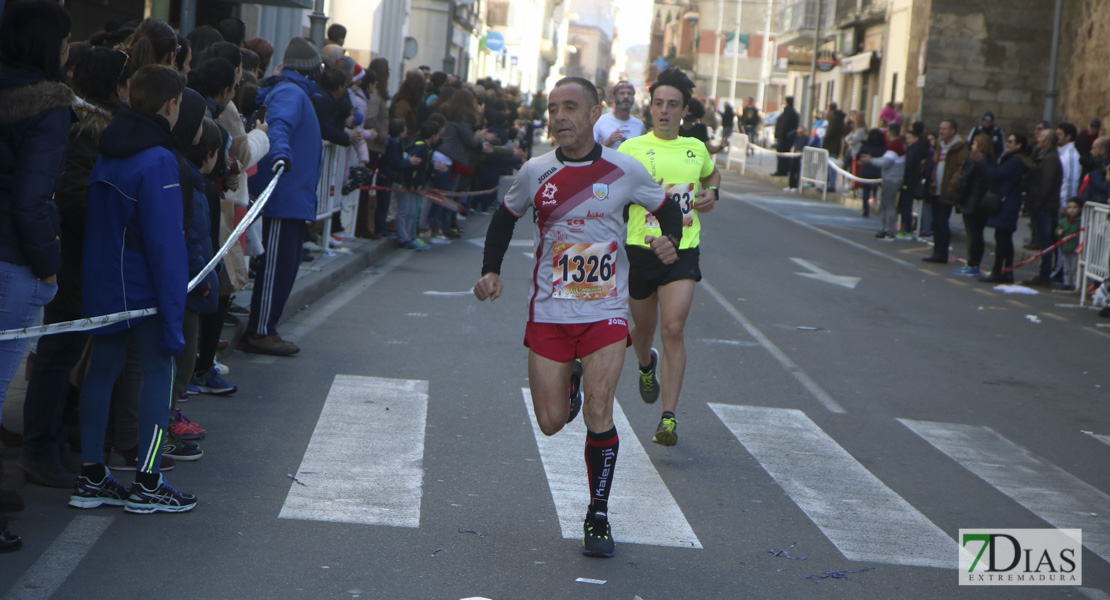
(851, 177)
(105, 320)
(246, 221)
(783, 154)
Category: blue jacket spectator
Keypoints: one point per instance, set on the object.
(198, 245)
(416, 176)
(1006, 181)
(134, 237)
(294, 137)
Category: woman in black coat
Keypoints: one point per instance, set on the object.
(35, 114)
(913, 179)
(971, 187)
(96, 80)
(875, 145)
(1006, 181)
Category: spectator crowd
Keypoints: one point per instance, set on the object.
(128, 160)
(126, 163)
(989, 178)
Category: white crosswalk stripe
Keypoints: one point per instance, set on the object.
(364, 416)
(641, 508)
(1054, 495)
(858, 513)
(864, 518)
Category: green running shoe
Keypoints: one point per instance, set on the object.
(575, 391)
(664, 434)
(598, 540)
(649, 382)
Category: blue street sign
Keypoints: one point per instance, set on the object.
(661, 63)
(495, 41)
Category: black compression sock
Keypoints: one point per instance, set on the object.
(149, 481)
(601, 459)
(94, 472)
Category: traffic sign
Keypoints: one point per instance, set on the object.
(495, 41)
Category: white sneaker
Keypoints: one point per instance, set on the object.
(440, 239)
(222, 369)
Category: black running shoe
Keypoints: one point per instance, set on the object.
(94, 494)
(161, 499)
(575, 391)
(649, 382)
(598, 540)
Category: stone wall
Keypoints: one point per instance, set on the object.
(986, 55)
(1084, 77)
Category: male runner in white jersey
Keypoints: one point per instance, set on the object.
(658, 291)
(618, 124)
(578, 302)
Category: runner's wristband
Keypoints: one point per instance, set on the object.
(716, 193)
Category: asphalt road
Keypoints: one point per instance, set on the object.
(852, 423)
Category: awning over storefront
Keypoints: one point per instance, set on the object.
(859, 63)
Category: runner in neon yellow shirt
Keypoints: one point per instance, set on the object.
(659, 292)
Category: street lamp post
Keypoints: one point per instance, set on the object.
(717, 48)
(736, 52)
(317, 20)
(812, 104)
(762, 88)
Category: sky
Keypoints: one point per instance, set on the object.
(633, 22)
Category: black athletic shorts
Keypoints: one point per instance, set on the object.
(646, 272)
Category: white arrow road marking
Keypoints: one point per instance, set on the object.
(641, 508)
(822, 275)
(364, 463)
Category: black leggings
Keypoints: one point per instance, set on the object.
(975, 244)
(1003, 251)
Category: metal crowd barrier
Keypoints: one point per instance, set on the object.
(815, 169)
(333, 173)
(738, 143)
(1094, 240)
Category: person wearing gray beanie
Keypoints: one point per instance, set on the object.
(295, 148)
(302, 56)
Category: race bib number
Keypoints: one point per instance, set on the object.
(683, 194)
(584, 271)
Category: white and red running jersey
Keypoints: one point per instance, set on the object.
(581, 271)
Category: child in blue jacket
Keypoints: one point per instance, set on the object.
(414, 177)
(135, 258)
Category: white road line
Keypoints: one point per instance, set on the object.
(62, 556)
(641, 508)
(819, 230)
(1105, 439)
(1054, 495)
(481, 243)
(807, 382)
(1093, 594)
(311, 321)
(364, 461)
(866, 520)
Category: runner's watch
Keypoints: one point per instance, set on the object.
(716, 193)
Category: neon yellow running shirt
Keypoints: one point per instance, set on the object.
(681, 164)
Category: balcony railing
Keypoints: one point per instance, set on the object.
(801, 15)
